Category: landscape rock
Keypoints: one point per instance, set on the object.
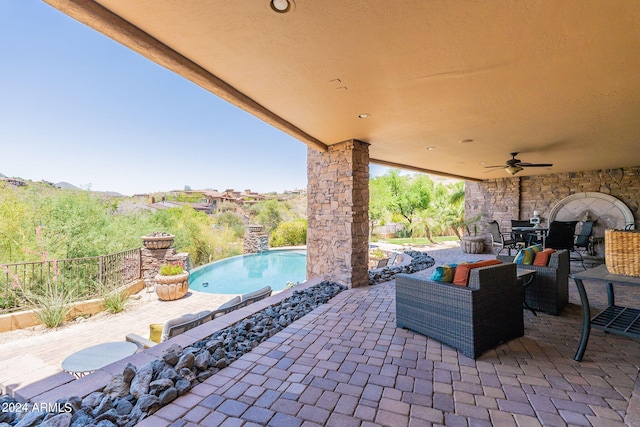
(59, 420)
(167, 396)
(30, 419)
(117, 387)
(129, 373)
(140, 383)
(419, 261)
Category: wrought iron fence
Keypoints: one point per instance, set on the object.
(80, 278)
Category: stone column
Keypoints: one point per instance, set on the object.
(338, 213)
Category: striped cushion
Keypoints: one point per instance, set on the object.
(526, 256)
(444, 273)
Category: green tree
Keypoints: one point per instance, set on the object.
(404, 196)
(289, 233)
(16, 218)
(379, 201)
(232, 221)
(270, 215)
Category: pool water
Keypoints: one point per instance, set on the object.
(247, 273)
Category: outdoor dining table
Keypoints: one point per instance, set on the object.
(615, 319)
(537, 233)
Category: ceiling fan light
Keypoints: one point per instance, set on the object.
(513, 169)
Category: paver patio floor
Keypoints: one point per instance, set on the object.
(346, 364)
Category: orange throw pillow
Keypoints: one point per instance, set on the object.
(542, 258)
(461, 276)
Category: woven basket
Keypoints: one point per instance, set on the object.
(622, 252)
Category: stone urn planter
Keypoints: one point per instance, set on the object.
(472, 244)
(157, 240)
(169, 288)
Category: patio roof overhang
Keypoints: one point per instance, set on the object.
(557, 81)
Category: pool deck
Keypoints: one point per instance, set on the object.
(27, 356)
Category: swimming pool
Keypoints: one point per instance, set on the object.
(246, 273)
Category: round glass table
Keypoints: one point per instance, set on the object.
(95, 357)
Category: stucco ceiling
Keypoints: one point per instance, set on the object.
(556, 80)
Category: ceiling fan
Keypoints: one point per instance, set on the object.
(513, 165)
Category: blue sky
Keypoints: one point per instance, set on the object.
(78, 107)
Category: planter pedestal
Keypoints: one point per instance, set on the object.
(169, 288)
(160, 241)
(472, 245)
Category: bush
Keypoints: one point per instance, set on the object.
(53, 306)
(289, 233)
(115, 301)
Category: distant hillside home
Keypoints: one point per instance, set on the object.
(164, 204)
(16, 182)
(215, 198)
(251, 197)
(212, 200)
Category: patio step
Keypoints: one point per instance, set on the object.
(18, 372)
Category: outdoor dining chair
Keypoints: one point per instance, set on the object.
(502, 240)
(562, 236)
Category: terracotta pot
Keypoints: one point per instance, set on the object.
(169, 288)
(472, 245)
(157, 242)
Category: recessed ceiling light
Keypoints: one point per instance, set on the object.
(431, 148)
(281, 6)
(483, 163)
(466, 141)
(363, 115)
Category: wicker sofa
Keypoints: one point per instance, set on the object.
(549, 292)
(471, 319)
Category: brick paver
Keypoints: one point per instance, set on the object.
(367, 372)
(346, 364)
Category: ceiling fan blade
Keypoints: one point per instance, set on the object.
(493, 167)
(535, 165)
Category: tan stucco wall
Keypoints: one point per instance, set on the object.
(338, 213)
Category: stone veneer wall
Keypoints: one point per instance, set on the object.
(516, 198)
(255, 240)
(152, 260)
(337, 213)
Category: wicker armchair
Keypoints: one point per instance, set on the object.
(470, 319)
(549, 292)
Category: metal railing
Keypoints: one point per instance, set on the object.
(80, 278)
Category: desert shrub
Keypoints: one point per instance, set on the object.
(232, 221)
(290, 233)
(115, 301)
(52, 306)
